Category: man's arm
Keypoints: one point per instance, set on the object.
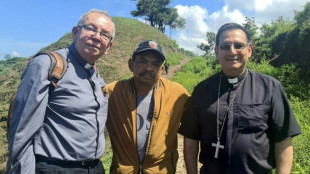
(28, 115)
(190, 155)
(284, 156)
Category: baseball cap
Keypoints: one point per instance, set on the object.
(149, 45)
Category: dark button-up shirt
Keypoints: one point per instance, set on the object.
(259, 117)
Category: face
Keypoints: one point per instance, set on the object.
(146, 69)
(90, 45)
(233, 52)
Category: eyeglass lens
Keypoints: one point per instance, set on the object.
(93, 31)
(237, 46)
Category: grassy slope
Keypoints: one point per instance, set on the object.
(129, 33)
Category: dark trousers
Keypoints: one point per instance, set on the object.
(52, 166)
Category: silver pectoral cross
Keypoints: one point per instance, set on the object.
(217, 146)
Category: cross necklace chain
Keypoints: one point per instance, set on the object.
(219, 132)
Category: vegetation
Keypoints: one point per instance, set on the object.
(159, 14)
(281, 50)
(209, 46)
(111, 67)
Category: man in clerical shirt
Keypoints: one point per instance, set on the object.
(242, 119)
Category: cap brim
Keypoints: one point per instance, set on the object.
(163, 58)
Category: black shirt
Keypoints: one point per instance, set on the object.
(259, 116)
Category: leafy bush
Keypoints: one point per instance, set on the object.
(196, 70)
(174, 58)
(288, 75)
(301, 143)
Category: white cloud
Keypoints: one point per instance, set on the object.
(264, 11)
(223, 16)
(198, 23)
(195, 28)
(15, 54)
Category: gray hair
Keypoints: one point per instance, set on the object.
(105, 13)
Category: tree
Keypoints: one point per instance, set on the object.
(175, 21)
(303, 22)
(209, 47)
(272, 40)
(159, 14)
(251, 27)
(7, 56)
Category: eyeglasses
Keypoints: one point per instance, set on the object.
(237, 46)
(91, 30)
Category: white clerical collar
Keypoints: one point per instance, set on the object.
(237, 79)
(234, 80)
(88, 66)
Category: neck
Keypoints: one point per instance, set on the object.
(143, 90)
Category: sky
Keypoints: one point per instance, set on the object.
(26, 26)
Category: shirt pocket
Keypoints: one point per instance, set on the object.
(253, 117)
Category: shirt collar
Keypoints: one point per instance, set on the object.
(235, 80)
(77, 56)
(133, 89)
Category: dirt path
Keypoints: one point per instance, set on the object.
(174, 69)
(180, 166)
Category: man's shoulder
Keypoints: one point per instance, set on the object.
(208, 81)
(63, 52)
(265, 79)
(44, 58)
(175, 86)
(116, 85)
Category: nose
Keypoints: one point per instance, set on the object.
(97, 36)
(149, 67)
(232, 49)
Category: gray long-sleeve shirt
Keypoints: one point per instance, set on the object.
(66, 123)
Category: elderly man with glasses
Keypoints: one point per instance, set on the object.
(61, 129)
(241, 118)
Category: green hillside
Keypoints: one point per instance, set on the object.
(129, 33)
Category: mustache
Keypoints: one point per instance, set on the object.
(232, 58)
(147, 73)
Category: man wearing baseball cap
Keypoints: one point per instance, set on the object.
(144, 115)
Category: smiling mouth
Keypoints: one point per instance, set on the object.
(94, 46)
(232, 59)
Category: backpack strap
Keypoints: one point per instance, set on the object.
(56, 72)
(58, 67)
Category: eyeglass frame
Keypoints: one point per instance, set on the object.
(92, 31)
(242, 46)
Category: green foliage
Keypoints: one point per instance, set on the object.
(273, 39)
(196, 70)
(301, 143)
(210, 45)
(251, 27)
(303, 21)
(63, 42)
(159, 14)
(111, 67)
(174, 58)
(185, 52)
(288, 75)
